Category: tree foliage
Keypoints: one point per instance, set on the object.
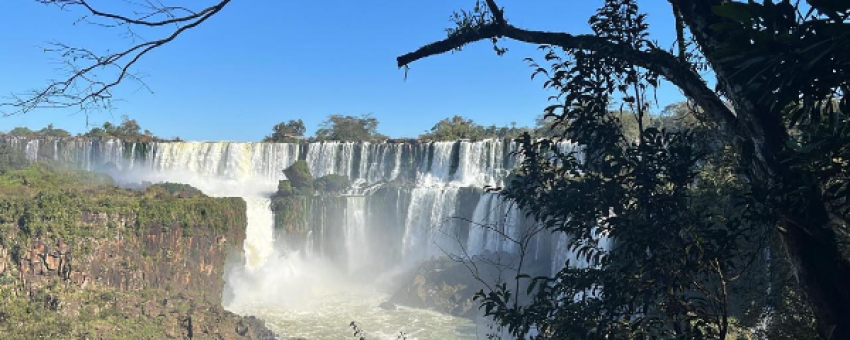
(128, 129)
(47, 131)
(299, 180)
(21, 131)
(774, 134)
(50, 131)
(286, 132)
(458, 127)
(11, 158)
(349, 128)
(332, 183)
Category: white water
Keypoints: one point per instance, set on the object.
(427, 233)
(320, 319)
(356, 243)
(259, 235)
(297, 295)
(497, 232)
(300, 293)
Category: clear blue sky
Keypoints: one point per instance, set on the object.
(260, 62)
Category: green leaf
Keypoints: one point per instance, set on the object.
(734, 10)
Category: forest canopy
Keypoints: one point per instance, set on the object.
(766, 133)
(349, 128)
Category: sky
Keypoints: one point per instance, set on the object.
(261, 62)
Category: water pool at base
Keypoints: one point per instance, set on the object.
(328, 314)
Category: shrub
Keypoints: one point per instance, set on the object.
(299, 176)
(284, 188)
(332, 183)
(174, 189)
(11, 159)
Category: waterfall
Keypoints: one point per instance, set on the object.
(32, 149)
(425, 212)
(259, 235)
(356, 241)
(427, 230)
(229, 160)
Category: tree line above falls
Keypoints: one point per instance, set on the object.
(365, 128)
(128, 129)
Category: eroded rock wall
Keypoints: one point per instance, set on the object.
(143, 270)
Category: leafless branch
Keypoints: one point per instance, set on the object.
(156, 9)
(83, 87)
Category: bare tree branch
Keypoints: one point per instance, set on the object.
(142, 21)
(656, 60)
(498, 14)
(83, 87)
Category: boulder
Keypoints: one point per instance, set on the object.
(442, 285)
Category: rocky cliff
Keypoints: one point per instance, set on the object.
(83, 259)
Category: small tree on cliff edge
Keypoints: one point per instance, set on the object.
(287, 132)
(781, 73)
(349, 128)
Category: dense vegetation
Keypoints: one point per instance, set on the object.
(11, 159)
(48, 131)
(349, 128)
(128, 129)
(332, 183)
(299, 181)
(458, 127)
(48, 203)
(288, 132)
(693, 204)
(44, 199)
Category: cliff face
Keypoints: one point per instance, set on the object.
(109, 263)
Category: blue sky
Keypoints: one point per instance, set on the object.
(260, 62)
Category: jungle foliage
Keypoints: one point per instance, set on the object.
(128, 129)
(332, 183)
(751, 179)
(11, 158)
(458, 127)
(44, 199)
(48, 131)
(40, 202)
(298, 181)
(288, 132)
(349, 128)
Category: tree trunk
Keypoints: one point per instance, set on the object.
(823, 274)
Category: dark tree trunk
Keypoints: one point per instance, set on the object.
(821, 270)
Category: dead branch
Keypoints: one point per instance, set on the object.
(84, 87)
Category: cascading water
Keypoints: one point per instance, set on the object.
(259, 235)
(426, 231)
(355, 234)
(424, 200)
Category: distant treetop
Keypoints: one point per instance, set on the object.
(48, 131)
(128, 129)
(349, 128)
(458, 127)
(289, 132)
